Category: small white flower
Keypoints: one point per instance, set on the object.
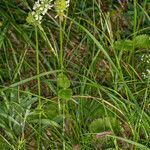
(50, 6)
(39, 10)
(33, 13)
(143, 75)
(36, 5)
(44, 11)
(40, 17)
(67, 3)
(148, 71)
(36, 17)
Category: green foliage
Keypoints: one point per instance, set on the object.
(126, 45)
(65, 94)
(142, 41)
(50, 110)
(30, 19)
(104, 124)
(14, 116)
(63, 81)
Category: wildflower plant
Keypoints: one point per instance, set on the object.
(35, 17)
(60, 7)
(41, 7)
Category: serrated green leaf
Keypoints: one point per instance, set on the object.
(45, 122)
(104, 124)
(65, 94)
(126, 45)
(142, 41)
(63, 81)
(59, 118)
(10, 118)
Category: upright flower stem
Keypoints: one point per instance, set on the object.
(61, 45)
(61, 67)
(64, 145)
(60, 6)
(39, 86)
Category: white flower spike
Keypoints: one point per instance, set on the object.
(40, 8)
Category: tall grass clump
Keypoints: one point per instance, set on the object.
(74, 75)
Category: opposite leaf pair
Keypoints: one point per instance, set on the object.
(64, 83)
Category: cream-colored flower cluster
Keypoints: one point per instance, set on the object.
(41, 7)
(145, 58)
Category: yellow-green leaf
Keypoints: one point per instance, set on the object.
(65, 94)
(63, 81)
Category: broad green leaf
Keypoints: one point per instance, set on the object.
(65, 94)
(63, 81)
